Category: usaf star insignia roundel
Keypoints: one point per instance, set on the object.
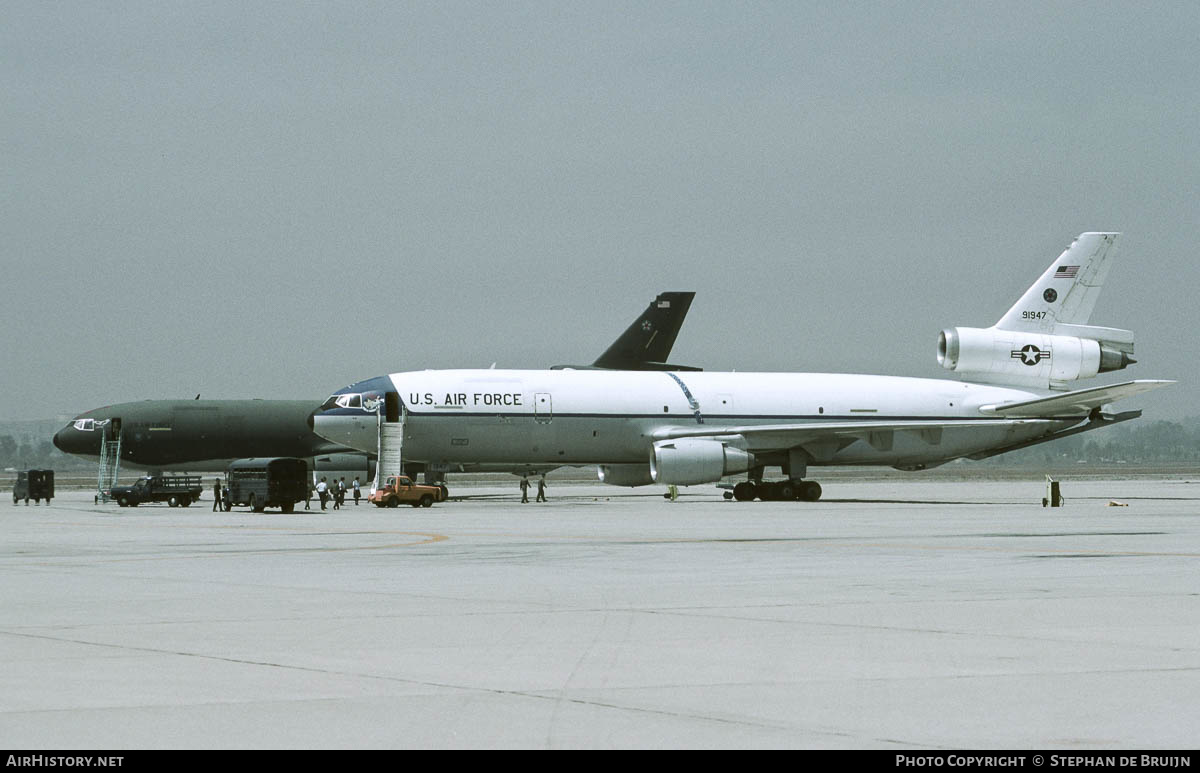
(1029, 354)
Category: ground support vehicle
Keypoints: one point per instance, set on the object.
(267, 482)
(34, 484)
(175, 490)
(398, 489)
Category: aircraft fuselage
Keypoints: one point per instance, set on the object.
(465, 417)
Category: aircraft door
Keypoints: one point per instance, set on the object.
(543, 408)
(391, 405)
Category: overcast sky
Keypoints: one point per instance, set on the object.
(274, 200)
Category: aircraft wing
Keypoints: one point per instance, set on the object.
(778, 437)
(1079, 401)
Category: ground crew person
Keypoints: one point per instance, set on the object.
(356, 491)
(541, 497)
(323, 492)
(524, 489)
(216, 495)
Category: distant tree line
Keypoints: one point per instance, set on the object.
(26, 452)
(1134, 442)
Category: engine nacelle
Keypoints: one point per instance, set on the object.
(688, 461)
(625, 474)
(344, 465)
(1025, 359)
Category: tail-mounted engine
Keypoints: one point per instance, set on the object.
(1031, 359)
(688, 461)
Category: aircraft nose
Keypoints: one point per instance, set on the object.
(57, 440)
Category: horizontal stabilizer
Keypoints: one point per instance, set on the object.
(1070, 403)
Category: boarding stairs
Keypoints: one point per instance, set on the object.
(391, 443)
(110, 467)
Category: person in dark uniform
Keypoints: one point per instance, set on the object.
(524, 489)
(541, 497)
(216, 495)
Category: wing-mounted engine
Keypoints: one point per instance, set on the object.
(1031, 359)
(344, 465)
(625, 474)
(688, 461)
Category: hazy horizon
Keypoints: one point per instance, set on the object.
(275, 200)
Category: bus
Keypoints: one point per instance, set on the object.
(260, 483)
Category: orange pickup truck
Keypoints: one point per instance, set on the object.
(399, 488)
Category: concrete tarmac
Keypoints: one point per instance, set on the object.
(906, 615)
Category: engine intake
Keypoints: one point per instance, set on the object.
(689, 461)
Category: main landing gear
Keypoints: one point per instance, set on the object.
(778, 491)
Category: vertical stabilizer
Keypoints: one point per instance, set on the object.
(1067, 291)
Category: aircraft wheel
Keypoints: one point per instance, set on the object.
(810, 491)
(768, 492)
(744, 491)
(786, 490)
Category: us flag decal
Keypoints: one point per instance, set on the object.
(1066, 272)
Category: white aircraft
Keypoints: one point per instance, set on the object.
(686, 428)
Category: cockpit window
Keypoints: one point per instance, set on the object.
(86, 425)
(349, 400)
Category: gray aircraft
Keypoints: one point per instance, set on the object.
(208, 434)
